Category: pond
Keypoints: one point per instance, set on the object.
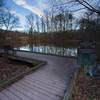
(46, 49)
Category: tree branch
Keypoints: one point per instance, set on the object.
(88, 6)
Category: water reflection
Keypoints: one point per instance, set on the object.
(50, 50)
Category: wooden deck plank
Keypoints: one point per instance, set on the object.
(39, 91)
(4, 97)
(27, 91)
(47, 83)
(43, 84)
(19, 93)
(11, 95)
(44, 78)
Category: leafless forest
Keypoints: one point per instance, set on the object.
(59, 26)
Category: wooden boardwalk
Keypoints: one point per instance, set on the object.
(47, 83)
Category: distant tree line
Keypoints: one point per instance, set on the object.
(61, 19)
(58, 22)
(50, 22)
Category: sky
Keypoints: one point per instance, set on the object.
(22, 8)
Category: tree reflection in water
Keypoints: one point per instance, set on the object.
(61, 51)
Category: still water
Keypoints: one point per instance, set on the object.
(71, 51)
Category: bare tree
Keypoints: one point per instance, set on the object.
(2, 4)
(52, 22)
(66, 20)
(89, 6)
(71, 20)
(47, 22)
(55, 23)
(92, 5)
(30, 23)
(9, 21)
(37, 23)
(43, 24)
